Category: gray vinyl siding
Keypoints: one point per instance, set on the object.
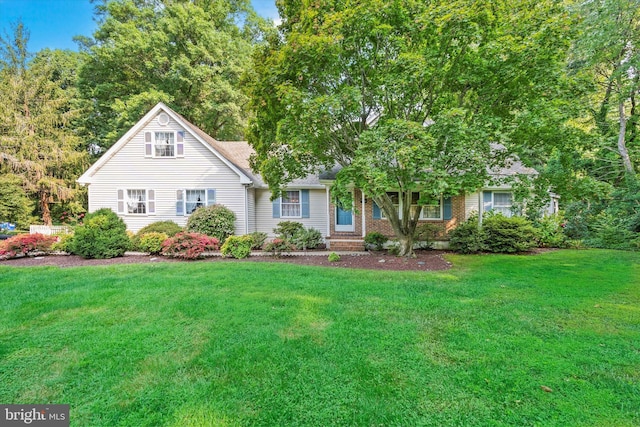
(198, 169)
(317, 212)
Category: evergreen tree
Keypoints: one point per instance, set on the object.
(37, 142)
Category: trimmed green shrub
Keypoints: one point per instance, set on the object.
(237, 246)
(26, 244)
(287, 229)
(508, 235)
(169, 228)
(333, 257)
(216, 221)
(309, 238)
(467, 238)
(278, 246)
(152, 242)
(63, 244)
(189, 245)
(257, 239)
(551, 232)
(375, 240)
(102, 235)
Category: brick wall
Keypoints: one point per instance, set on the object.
(383, 226)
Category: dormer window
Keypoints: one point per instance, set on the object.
(165, 144)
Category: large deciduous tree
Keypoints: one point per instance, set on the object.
(405, 96)
(189, 54)
(608, 52)
(37, 142)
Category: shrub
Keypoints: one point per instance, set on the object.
(612, 232)
(26, 244)
(425, 235)
(102, 235)
(257, 239)
(237, 246)
(152, 242)
(278, 246)
(169, 228)
(216, 221)
(287, 229)
(309, 238)
(334, 257)
(375, 240)
(187, 245)
(467, 238)
(508, 235)
(63, 244)
(551, 232)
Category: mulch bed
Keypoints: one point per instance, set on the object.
(424, 261)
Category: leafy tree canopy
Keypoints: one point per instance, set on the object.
(38, 143)
(401, 95)
(189, 54)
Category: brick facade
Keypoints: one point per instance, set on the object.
(383, 226)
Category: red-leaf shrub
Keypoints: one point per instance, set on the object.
(189, 245)
(24, 244)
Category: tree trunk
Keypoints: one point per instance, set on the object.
(403, 228)
(406, 246)
(44, 207)
(622, 146)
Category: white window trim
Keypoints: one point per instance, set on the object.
(508, 207)
(184, 199)
(155, 144)
(146, 202)
(440, 217)
(422, 217)
(299, 204)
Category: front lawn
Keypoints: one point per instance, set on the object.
(199, 344)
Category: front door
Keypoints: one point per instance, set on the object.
(344, 219)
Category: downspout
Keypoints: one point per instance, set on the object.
(364, 221)
(480, 208)
(328, 211)
(246, 208)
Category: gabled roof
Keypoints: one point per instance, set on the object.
(231, 155)
(511, 168)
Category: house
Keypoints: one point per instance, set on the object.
(164, 168)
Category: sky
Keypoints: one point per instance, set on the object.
(54, 23)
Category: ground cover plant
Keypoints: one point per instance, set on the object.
(550, 339)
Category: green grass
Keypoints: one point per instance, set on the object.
(198, 344)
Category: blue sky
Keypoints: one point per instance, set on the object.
(53, 23)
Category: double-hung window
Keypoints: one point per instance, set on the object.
(291, 204)
(189, 200)
(502, 203)
(194, 199)
(433, 210)
(499, 202)
(165, 144)
(136, 202)
(437, 209)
